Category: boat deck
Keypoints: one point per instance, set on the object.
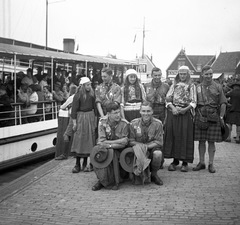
(51, 194)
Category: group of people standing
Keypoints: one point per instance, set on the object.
(140, 125)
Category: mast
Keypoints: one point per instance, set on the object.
(46, 24)
(143, 37)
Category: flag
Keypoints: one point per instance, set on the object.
(135, 38)
(77, 47)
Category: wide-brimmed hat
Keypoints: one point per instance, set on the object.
(101, 157)
(225, 131)
(126, 159)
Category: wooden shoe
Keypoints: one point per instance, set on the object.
(97, 186)
(199, 166)
(172, 167)
(156, 180)
(211, 168)
(115, 187)
(76, 169)
(184, 168)
(88, 169)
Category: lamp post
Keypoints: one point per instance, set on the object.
(143, 37)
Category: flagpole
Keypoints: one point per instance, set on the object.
(46, 24)
(143, 37)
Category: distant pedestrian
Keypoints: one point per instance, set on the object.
(233, 114)
(83, 118)
(211, 107)
(178, 132)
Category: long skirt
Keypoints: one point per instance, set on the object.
(178, 137)
(84, 137)
(233, 118)
(212, 134)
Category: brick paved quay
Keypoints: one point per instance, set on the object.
(51, 194)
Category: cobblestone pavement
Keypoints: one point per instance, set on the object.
(57, 196)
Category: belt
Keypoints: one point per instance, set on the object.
(85, 110)
(181, 105)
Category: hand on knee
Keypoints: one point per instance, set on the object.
(157, 155)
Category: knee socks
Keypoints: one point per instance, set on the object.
(202, 150)
(211, 152)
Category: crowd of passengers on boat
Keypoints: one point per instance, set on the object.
(36, 99)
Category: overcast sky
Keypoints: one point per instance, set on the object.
(202, 27)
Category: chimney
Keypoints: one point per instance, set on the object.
(68, 45)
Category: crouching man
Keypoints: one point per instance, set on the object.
(113, 134)
(146, 139)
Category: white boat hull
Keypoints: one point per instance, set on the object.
(26, 142)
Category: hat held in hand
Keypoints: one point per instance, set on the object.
(101, 157)
(126, 159)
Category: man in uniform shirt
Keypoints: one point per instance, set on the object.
(148, 130)
(112, 138)
(107, 91)
(211, 104)
(156, 92)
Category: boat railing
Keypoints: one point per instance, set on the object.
(46, 110)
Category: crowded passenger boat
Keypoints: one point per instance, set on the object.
(34, 82)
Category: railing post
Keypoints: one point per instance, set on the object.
(43, 107)
(56, 111)
(20, 114)
(15, 113)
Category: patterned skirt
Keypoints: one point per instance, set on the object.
(178, 137)
(212, 134)
(84, 137)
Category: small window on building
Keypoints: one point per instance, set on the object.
(199, 67)
(142, 68)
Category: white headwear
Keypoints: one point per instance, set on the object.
(84, 80)
(131, 71)
(183, 68)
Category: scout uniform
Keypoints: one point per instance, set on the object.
(156, 94)
(111, 131)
